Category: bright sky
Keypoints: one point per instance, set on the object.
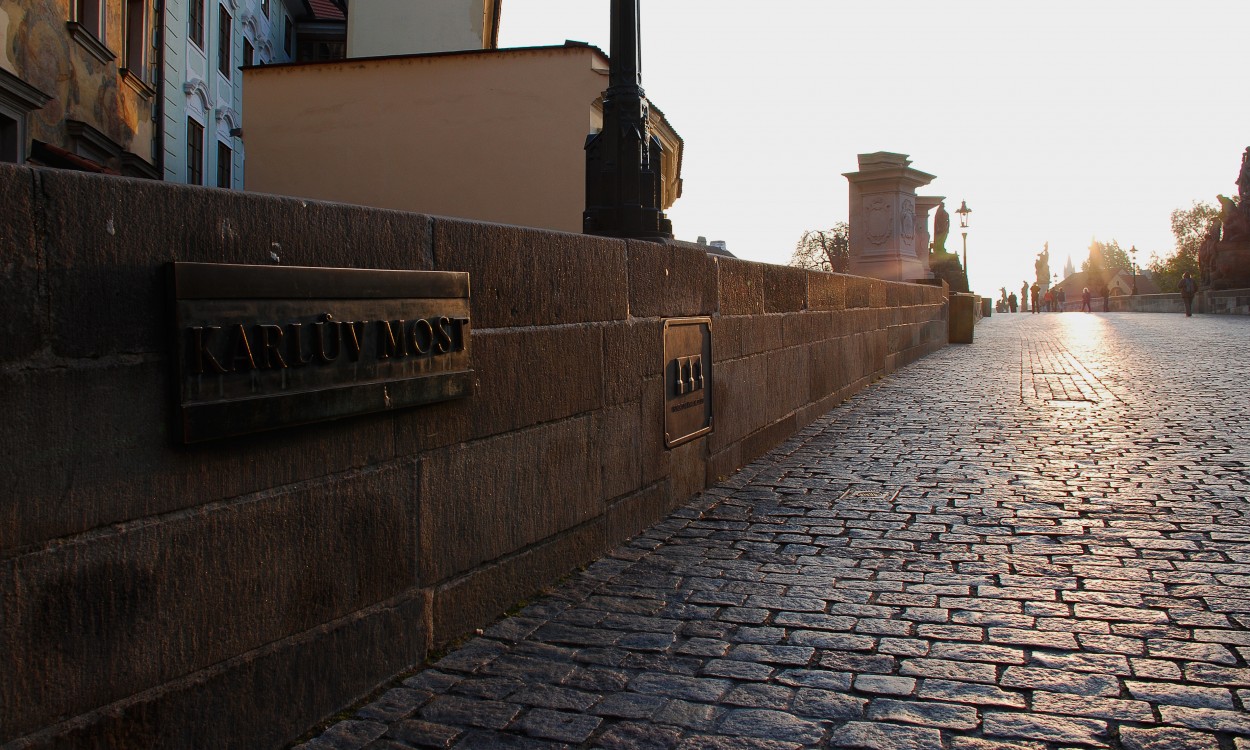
(1059, 121)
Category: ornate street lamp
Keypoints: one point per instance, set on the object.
(624, 185)
(1133, 252)
(963, 212)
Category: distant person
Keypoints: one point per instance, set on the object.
(1105, 291)
(1034, 292)
(1048, 301)
(1061, 299)
(1086, 297)
(1012, 302)
(1024, 296)
(1188, 288)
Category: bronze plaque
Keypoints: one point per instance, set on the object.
(687, 379)
(263, 347)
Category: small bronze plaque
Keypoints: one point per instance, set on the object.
(687, 379)
(263, 347)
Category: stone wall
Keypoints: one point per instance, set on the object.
(233, 593)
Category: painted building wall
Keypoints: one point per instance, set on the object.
(196, 90)
(495, 136)
(403, 27)
(85, 68)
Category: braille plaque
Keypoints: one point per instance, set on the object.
(263, 347)
(687, 379)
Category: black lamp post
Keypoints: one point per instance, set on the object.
(1133, 252)
(963, 212)
(624, 184)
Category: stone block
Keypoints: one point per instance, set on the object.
(106, 253)
(785, 289)
(858, 292)
(739, 286)
(722, 465)
(633, 514)
(536, 375)
(688, 469)
(142, 605)
(496, 496)
(633, 352)
(616, 440)
(744, 335)
(266, 698)
(755, 391)
(800, 329)
(962, 318)
(91, 446)
(826, 291)
(532, 277)
(763, 440)
(23, 299)
(474, 600)
(667, 281)
(656, 458)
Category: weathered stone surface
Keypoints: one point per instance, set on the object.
(23, 300)
(1166, 738)
(880, 736)
(669, 281)
(740, 286)
(785, 289)
(773, 725)
(142, 605)
(531, 277)
(514, 481)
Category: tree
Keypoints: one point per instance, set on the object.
(824, 249)
(1189, 226)
(1106, 257)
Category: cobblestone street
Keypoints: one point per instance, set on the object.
(1038, 541)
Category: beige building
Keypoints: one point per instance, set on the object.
(400, 27)
(492, 135)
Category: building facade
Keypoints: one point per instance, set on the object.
(490, 135)
(78, 84)
(206, 43)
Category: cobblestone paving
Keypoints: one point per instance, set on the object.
(1039, 541)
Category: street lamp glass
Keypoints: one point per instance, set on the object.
(963, 214)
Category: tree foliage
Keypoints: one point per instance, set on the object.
(1189, 226)
(824, 249)
(1106, 258)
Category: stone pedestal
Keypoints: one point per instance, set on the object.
(883, 218)
(925, 204)
(1230, 265)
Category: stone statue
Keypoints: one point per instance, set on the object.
(1042, 267)
(1206, 254)
(941, 228)
(1233, 218)
(1243, 179)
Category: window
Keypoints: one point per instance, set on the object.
(17, 100)
(196, 31)
(224, 42)
(225, 160)
(195, 153)
(86, 25)
(135, 55)
(10, 139)
(249, 52)
(287, 34)
(88, 14)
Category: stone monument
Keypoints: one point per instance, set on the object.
(1224, 256)
(883, 213)
(1042, 268)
